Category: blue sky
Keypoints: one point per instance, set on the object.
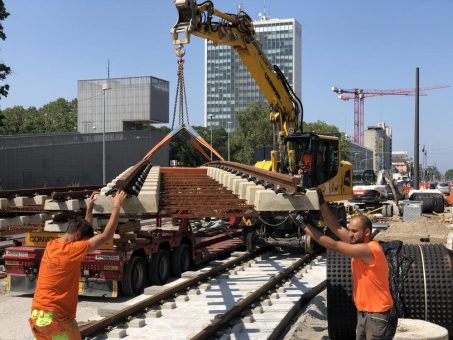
(366, 44)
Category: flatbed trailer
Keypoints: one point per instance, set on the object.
(158, 252)
(181, 218)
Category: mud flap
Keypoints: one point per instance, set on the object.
(20, 284)
(98, 287)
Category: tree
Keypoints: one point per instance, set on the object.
(182, 151)
(449, 175)
(253, 130)
(59, 116)
(4, 70)
(12, 120)
(55, 117)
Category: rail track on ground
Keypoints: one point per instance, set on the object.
(250, 295)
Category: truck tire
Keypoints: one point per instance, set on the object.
(180, 260)
(159, 267)
(133, 279)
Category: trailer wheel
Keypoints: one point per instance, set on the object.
(159, 267)
(180, 260)
(133, 279)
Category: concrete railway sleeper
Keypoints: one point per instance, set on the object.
(249, 295)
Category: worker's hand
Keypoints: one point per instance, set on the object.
(298, 219)
(320, 196)
(92, 199)
(118, 199)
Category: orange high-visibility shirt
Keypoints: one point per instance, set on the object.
(306, 160)
(58, 279)
(371, 282)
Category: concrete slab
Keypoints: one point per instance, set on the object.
(236, 185)
(147, 200)
(4, 203)
(55, 226)
(73, 205)
(22, 201)
(40, 199)
(268, 200)
(242, 191)
(251, 193)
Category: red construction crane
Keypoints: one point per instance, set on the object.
(359, 95)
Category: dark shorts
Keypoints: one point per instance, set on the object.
(376, 326)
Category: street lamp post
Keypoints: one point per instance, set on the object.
(228, 131)
(355, 157)
(105, 87)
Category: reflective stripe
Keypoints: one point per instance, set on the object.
(42, 318)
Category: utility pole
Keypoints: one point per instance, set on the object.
(105, 87)
(228, 141)
(416, 132)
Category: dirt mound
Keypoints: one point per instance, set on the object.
(427, 227)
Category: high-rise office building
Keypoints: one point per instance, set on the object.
(379, 139)
(124, 103)
(229, 86)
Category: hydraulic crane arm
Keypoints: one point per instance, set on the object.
(237, 31)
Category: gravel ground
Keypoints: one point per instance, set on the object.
(311, 323)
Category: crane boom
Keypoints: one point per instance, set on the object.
(358, 95)
(236, 30)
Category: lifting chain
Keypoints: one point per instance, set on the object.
(180, 98)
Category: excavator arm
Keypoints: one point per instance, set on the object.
(236, 30)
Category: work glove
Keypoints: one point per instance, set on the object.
(298, 219)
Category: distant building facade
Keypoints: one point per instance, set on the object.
(57, 160)
(229, 87)
(360, 157)
(125, 103)
(401, 163)
(379, 139)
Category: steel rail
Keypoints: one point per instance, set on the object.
(97, 326)
(279, 181)
(44, 191)
(72, 194)
(211, 330)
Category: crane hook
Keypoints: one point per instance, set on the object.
(180, 51)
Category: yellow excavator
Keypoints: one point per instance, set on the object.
(314, 158)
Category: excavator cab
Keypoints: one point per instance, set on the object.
(318, 158)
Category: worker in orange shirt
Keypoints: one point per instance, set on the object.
(54, 303)
(376, 316)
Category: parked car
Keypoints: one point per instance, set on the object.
(443, 187)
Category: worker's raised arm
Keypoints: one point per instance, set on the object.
(331, 220)
(96, 241)
(90, 205)
(360, 251)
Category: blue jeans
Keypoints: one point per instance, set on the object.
(376, 326)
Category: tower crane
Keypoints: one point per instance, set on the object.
(359, 95)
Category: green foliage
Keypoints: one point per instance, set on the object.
(60, 116)
(55, 117)
(321, 127)
(184, 152)
(431, 173)
(253, 130)
(449, 175)
(4, 70)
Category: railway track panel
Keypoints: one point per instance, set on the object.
(225, 304)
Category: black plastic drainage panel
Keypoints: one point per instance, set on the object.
(427, 292)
